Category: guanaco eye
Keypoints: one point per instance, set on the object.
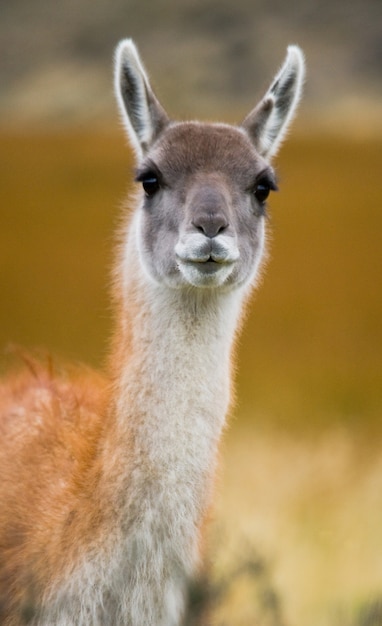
(150, 180)
(262, 191)
(150, 184)
(263, 187)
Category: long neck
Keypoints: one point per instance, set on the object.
(172, 376)
(155, 458)
(175, 369)
(173, 366)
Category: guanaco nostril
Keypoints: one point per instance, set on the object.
(210, 226)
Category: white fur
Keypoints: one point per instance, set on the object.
(174, 397)
(191, 249)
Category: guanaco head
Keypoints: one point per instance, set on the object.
(204, 186)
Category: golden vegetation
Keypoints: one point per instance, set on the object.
(302, 481)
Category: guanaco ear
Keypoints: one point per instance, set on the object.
(268, 123)
(143, 116)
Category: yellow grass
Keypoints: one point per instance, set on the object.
(302, 480)
(312, 509)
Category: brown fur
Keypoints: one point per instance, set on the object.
(52, 426)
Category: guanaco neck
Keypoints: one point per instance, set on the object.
(171, 364)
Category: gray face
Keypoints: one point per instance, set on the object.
(201, 223)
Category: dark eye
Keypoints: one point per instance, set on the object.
(150, 184)
(262, 190)
(150, 179)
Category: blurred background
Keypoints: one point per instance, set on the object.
(300, 492)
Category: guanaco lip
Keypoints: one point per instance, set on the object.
(207, 262)
(203, 260)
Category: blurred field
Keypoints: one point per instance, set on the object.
(312, 510)
(302, 482)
